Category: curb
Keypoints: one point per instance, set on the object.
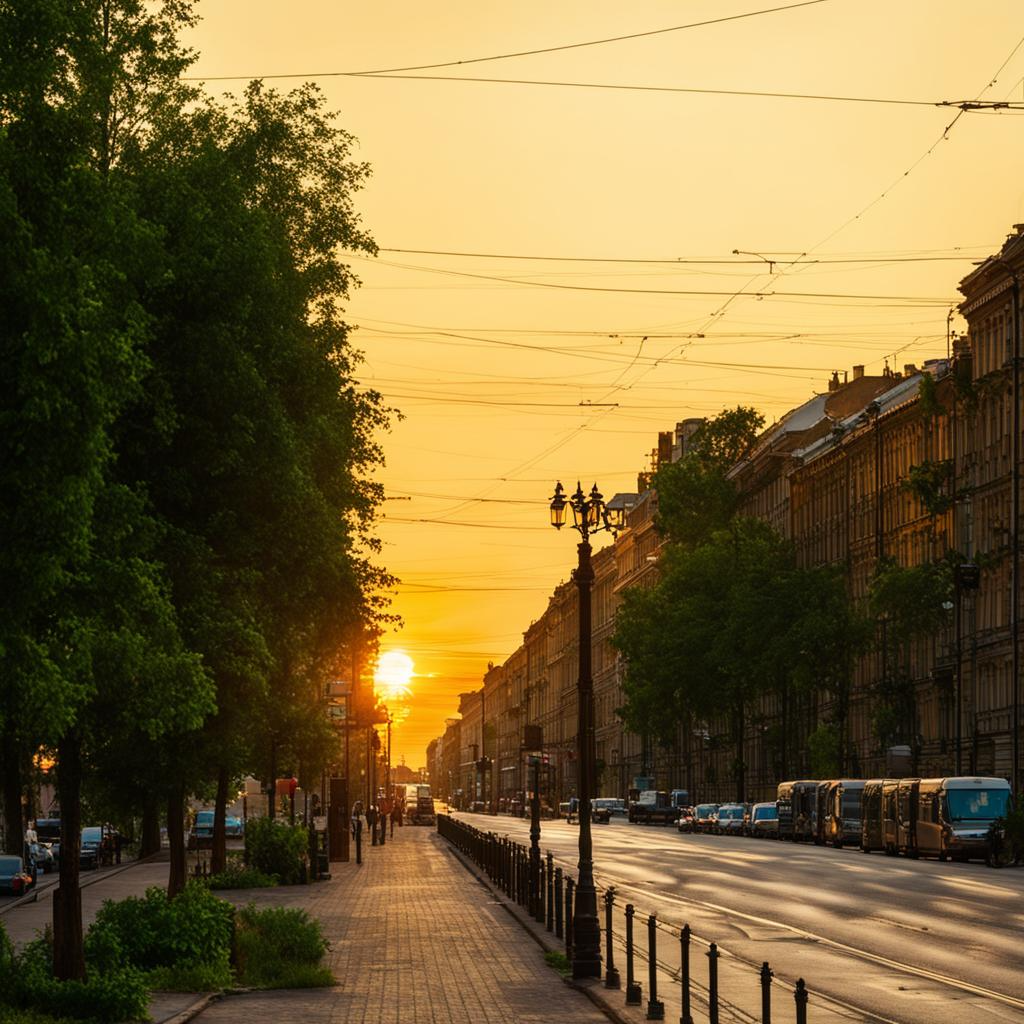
(592, 990)
(38, 894)
(193, 1011)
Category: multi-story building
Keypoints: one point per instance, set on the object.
(836, 477)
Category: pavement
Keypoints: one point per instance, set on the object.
(415, 938)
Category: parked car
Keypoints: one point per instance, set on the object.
(704, 817)
(94, 848)
(14, 879)
(763, 822)
(686, 821)
(42, 857)
(201, 837)
(48, 833)
(729, 819)
(613, 804)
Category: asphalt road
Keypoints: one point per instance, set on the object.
(877, 938)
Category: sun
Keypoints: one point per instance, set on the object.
(393, 674)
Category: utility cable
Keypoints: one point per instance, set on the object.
(519, 53)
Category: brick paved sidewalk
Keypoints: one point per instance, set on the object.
(415, 939)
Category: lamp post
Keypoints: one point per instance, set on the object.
(590, 515)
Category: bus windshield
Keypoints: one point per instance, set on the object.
(976, 804)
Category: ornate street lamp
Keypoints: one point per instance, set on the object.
(590, 515)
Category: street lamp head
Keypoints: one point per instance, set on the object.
(580, 509)
(558, 504)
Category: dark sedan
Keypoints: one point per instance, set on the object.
(14, 879)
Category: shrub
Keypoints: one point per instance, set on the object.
(31, 993)
(237, 876)
(280, 947)
(277, 849)
(193, 978)
(154, 933)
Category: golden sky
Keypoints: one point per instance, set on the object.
(643, 194)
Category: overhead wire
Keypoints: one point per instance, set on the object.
(518, 53)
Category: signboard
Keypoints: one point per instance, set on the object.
(338, 688)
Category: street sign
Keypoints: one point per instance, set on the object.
(338, 688)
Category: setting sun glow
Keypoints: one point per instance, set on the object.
(393, 674)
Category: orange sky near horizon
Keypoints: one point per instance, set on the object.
(514, 372)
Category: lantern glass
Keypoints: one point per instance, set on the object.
(615, 517)
(558, 508)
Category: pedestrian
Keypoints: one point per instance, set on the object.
(394, 818)
(357, 819)
(30, 834)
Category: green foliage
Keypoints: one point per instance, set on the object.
(911, 600)
(190, 978)
(559, 961)
(29, 991)
(695, 497)
(823, 748)
(193, 929)
(280, 947)
(237, 876)
(274, 848)
(930, 482)
(928, 399)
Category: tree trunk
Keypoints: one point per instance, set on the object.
(68, 955)
(14, 831)
(272, 795)
(176, 838)
(150, 840)
(218, 855)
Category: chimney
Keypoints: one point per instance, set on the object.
(909, 369)
(833, 384)
(858, 372)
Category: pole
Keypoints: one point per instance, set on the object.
(586, 958)
(1015, 514)
(535, 869)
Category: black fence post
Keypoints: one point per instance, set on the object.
(684, 974)
(633, 994)
(611, 976)
(570, 887)
(558, 903)
(655, 1007)
(713, 956)
(766, 993)
(551, 891)
(800, 995)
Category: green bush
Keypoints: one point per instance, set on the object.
(277, 849)
(154, 933)
(29, 991)
(237, 876)
(280, 947)
(193, 978)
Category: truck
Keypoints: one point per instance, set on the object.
(653, 805)
(419, 805)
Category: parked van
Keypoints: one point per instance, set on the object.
(805, 811)
(890, 838)
(841, 818)
(907, 791)
(872, 836)
(954, 816)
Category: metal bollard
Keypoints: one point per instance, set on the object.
(570, 888)
(800, 995)
(551, 892)
(766, 993)
(558, 903)
(633, 994)
(655, 1007)
(713, 956)
(684, 974)
(611, 976)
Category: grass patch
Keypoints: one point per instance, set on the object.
(190, 978)
(237, 876)
(9, 1015)
(559, 961)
